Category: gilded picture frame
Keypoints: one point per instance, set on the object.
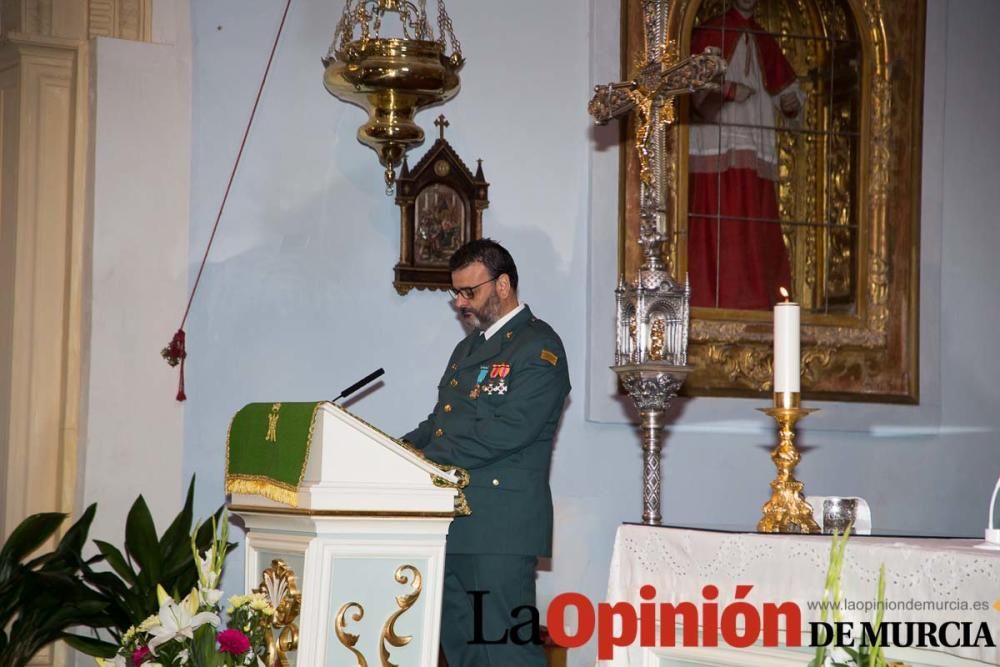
(441, 203)
(866, 348)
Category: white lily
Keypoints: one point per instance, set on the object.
(208, 577)
(209, 596)
(210, 565)
(117, 661)
(179, 620)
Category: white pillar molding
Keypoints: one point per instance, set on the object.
(46, 261)
(42, 240)
(42, 235)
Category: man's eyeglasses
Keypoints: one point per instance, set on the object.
(468, 293)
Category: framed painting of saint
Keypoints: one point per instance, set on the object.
(441, 204)
(800, 170)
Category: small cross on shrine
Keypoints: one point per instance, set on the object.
(441, 122)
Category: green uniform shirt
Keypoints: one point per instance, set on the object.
(498, 408)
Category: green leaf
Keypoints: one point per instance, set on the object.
(76, 537)
(175, 542)
(116, 560)
(203, 647)
(28, 536)
(205, 534)
(91, 645)
(141, 542)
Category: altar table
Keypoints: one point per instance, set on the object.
(951, 579)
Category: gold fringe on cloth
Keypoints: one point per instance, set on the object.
(262, 486)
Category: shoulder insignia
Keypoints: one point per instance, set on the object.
(550, 357)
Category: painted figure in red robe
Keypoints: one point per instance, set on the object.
(736, 253)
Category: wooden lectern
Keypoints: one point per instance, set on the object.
(358, 563)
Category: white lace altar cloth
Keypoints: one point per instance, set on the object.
(680, 562)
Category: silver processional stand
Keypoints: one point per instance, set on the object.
(653, 311)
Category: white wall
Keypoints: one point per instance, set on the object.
(297, 300)
(132, 428)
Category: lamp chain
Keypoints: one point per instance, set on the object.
(444, 21)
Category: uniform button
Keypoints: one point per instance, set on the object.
(496, 482)
(438, 433)
(510, 334)
(454, 382)
(447, 407)
(454, 367)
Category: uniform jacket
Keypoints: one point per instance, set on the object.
(498, 407)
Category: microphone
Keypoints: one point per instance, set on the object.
(992, 532)
(359, 384)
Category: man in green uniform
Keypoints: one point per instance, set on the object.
(498, 407)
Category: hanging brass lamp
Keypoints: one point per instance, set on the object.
(392, 78)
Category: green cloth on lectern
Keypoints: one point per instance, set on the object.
(267, 449)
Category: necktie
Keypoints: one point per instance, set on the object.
(476, 342)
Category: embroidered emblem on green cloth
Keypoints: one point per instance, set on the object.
(267, 449)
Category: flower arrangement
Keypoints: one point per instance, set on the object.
(863, 655)
(190, 631)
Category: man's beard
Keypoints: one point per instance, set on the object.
(483, 318)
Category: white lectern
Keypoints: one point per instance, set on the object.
(364, 547)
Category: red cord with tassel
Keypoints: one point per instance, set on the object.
(175, 353)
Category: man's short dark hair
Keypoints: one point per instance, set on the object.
(490, 254)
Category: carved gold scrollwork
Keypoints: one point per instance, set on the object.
(815, 362)
(279, 585)
(754, 365)
(404, 574)
(346, 638)
(881, 152)
(750, 365)
(405, 602)
(461, 503)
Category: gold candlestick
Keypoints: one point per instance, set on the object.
(786, 511)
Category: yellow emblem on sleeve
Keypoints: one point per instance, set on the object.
(550, 357)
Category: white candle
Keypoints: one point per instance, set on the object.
(786, 346)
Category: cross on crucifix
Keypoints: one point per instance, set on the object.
(650, 94)
(653, 88)
(441, 122)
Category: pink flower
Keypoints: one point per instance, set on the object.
(139, 655)
(233, 641)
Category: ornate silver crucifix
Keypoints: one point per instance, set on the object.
(653, 311)
(651, 94)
